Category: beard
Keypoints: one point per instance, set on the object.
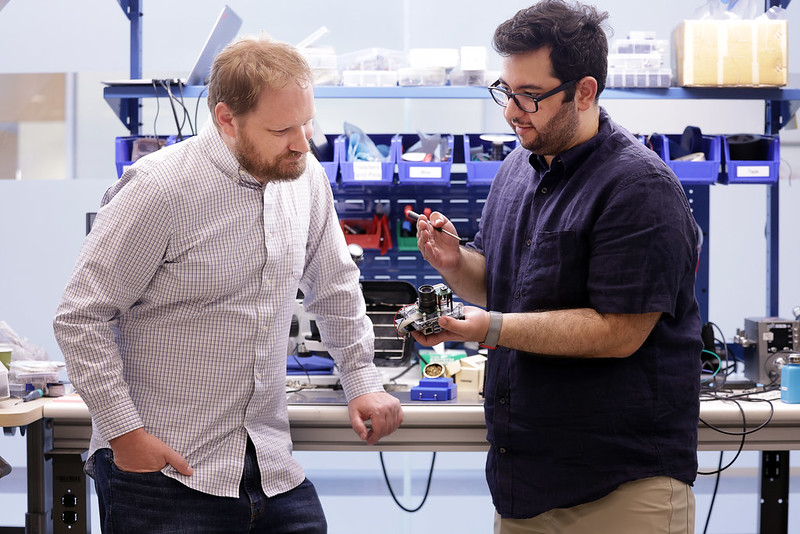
(285, 167)
(555, 136)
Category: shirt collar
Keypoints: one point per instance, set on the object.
(221, 156)
(574, 156)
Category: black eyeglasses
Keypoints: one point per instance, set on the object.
(524, 101)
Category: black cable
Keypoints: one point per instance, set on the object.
(730, 366)
(186, 117)
(718, 472)
(706, 367)
(745, 432)
(165, 85)
(427, 487)
(173, 100)
(303, 367)
(741, 443)
(158, 110)
(714, 493)
(197, 104)
(407, 369)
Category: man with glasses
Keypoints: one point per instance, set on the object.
(585, 265)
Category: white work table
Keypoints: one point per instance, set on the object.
(59, 430)
(30, 415)
(319, 422)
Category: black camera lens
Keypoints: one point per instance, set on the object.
(427, 299)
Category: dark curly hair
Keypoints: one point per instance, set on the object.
(574, 33)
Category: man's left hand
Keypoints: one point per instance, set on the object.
(381, 409)
(473, 327)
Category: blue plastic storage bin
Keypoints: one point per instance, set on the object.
(123, 148)
(421, 172)
(122, 153)
(691, 172)
(331, 167)
(366, 172)
(481, 172)
(754, 171)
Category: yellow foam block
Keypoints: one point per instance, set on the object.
(739, 53)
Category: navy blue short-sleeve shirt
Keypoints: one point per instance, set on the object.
(607, 226)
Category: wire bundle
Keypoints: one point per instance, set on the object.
(176, 101)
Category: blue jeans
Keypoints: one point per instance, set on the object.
(153, 503)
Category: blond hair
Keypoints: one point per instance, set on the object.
(245, 68)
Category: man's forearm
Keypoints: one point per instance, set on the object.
(580, 333)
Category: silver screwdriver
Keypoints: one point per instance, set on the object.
(414, 216)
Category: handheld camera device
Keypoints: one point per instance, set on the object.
(423, 316)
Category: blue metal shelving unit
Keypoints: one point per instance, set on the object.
(770, 94)
(125, 101)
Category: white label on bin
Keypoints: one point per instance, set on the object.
(752, 171)
(367, 170)
(424, 172)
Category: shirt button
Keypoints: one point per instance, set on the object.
(264, 328)
(543, 190)
(501, 450)
(502, 400)
(516, 295)
(258, 375)
(528, 242)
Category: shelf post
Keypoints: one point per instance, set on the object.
(128, 108)
(774, 489)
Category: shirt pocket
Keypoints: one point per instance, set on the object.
(558, 267)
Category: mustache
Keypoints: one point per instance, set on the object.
(515, 122)
(292, 154)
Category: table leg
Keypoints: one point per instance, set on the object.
(774, 510)
(38, 520)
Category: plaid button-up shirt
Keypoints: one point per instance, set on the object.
(176, 317)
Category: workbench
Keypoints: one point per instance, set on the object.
(59, 431)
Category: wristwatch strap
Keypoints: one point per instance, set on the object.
(495, 323)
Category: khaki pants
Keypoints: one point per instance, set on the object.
(658, 505)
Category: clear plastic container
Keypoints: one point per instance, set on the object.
(327, 76)
(369, 78)
(371, 59)
(4, 390)
(409, 77)
(468, 77)
(639, 46)
(639, 78)
(635, 61)
(37, 380)
(320, 57)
